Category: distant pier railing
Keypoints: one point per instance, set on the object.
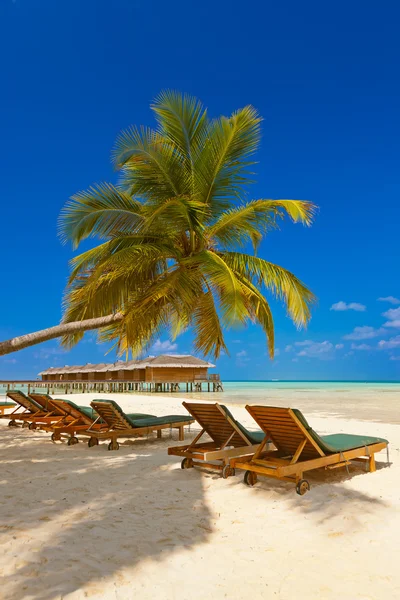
(211, 384)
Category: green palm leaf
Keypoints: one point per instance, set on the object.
(281, 282)
(102, 211)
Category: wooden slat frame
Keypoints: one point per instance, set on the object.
(47, 403)
(114, 434)
(292, 468)
(23, 400)
(73, 412)
(221, 449)
(41, 418)
(111, 415)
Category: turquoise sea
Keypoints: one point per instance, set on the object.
(369, 400)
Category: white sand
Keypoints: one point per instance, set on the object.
(87, 523)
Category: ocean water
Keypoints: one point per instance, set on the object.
(362, 400)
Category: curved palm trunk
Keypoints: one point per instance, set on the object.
(30, 339)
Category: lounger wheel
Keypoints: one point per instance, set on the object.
(187, 463)
(13, 423)
(25, 424)
(32, 426)
(302, 487)
(55, 437)
(113, 445)
(250, 478)
(93, 442)
(72, 441)
(227, 471)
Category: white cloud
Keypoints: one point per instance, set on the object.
(395, 358)
(395, 324)
(295, 360)
(304, 343)
(310, 349)
(360, 347)
(11, 361)
(236, 341)
(340, 306)
(363, 333)
(394, 342)
(316, 349)
(277, 352)
(45, 353)
(161, 347)
(241, 358)
(393, 314)
(390, 299)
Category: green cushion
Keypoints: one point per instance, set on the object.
(7, 404)
(143, 420)
(338, 442)
(255, 437)
(129, 417)
(86, 410)
(154, 421)
(89, 412)
(134, 416)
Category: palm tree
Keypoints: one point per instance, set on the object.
(175, 232)
(178, 240)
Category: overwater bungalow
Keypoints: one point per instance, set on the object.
(166, 368)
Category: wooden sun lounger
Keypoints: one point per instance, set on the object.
(229, 439)
(300, 449)
(122, 425)
(5, 406)
(32, 415)
(77, 419)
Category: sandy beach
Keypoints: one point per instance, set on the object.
(87, 523)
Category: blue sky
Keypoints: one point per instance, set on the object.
(324, 77)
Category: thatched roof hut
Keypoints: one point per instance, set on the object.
(162, 368)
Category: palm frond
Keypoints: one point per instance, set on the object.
(181, 214)
(209, 338)
(281, 282)
(101, 211)
(219, 276)
(222, 165)
(260, 311)
(252, 220)
(150, 165)
(183, 121)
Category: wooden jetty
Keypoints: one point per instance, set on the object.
(211, 384)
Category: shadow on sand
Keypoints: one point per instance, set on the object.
(328, 497)
(79, 515)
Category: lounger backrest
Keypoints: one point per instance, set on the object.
(47, 403)
(76, 412)
(218, 422)
(24, 401)
(112, 414)
(287, 429)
